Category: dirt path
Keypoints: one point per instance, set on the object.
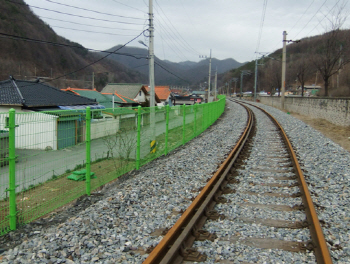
(339, 134)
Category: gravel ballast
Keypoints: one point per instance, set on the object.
(326, 167)
(119, 227)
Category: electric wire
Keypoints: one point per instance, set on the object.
(311, 18)
(96, 32)
(172, 46)
(92, 63)
(69, 14)
(14, 37)
(325, 16)
(174, 42)
(130, 6)
(88, 25)
(66, 45)
(183, 40)
(261, 25)
(94, 11)
(161, 66)
(307, 9)
(67, 21)
(306, 23)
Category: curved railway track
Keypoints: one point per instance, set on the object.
(277, 177)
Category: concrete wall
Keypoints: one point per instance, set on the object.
(35, 130)
(104, 127)
(334, 110)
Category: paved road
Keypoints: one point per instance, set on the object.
(37, 166)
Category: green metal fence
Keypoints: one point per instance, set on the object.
(48, 159)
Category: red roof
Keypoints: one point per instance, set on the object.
(162, 92)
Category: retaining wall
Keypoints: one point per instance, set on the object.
(334, 110)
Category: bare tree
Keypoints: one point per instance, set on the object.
(272, 72)
(303, 70)
(330, 56)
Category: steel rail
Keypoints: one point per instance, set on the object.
(320, 246)
(169, 248)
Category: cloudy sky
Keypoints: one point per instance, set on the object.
(187, 29)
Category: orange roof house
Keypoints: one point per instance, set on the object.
(163, 92)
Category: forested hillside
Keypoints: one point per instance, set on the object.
(319, 60)
(24, 58)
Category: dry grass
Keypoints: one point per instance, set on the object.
(46, 197)
(339, 134)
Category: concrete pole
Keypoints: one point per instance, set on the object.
(151, 68)
(93, 80)
(283, 86)
(209, 77)
(241, 88)
(216, 82)
(256, 78)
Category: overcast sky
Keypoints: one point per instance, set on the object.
(186, 29)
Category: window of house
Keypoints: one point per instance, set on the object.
(140, 93)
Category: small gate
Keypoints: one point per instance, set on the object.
(66, 134)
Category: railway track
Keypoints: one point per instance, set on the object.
(241, 206)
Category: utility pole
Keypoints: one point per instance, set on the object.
(256, 78)
(151, 69)
(216, 81)
(283, 86)
(209, 76)
(244, 72)
(93, 80)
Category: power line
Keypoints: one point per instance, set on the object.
(261, 24)
(311, 18)
(59, 12)
(92, 63)
(130, 7)
(184, 41)
(161, 66)
(76, 23)
(324, 17)
(66, 21)
(306, 23)
(162, 28)
(94, 11)
(302, 15)
(14, 37)
(90, 31)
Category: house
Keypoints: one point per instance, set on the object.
(187, 100)
(163, 93)
(134, 91)
(26, 96)
(44, 128)
(105, 99)
(202, 94)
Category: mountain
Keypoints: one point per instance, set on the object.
(24, 58)
(167, 72)
(30, 48)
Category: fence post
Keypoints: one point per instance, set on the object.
(138, 144)
(166, 129)
(11, 125)
(183, 123)
(195, 120)
(88, 150)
